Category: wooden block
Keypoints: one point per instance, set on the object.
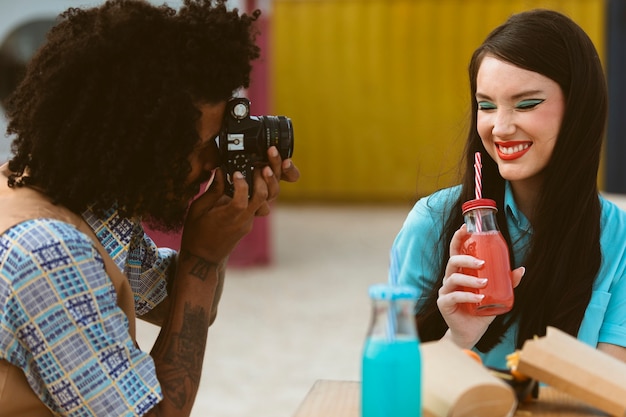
(455, 385)
(567, 364)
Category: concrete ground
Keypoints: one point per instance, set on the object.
(302, 318)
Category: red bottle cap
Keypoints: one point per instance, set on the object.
(486, 203)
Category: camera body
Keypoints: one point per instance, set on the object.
(244, 140)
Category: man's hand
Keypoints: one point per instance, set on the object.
(272, 174)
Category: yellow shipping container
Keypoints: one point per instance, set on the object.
(378, 92)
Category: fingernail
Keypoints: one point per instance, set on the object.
(287, 164)
(482, 281)
(269, 172)
(238, 175)
(479, 262)
(523, 270)
(480, 296)
(273, 151)
(210, 180)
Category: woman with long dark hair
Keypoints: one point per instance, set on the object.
(539, 108)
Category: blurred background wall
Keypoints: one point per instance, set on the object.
(616, 73)
(378, 89)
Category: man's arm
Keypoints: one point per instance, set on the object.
(178, 352)
(213, 227)
(161, 311)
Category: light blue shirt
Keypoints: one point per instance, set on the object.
(415, 254)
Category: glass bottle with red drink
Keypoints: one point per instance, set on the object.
(487, 243)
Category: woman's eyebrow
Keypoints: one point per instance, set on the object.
(481, 96)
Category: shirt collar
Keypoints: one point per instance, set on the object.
(512, 212)
(113, 232)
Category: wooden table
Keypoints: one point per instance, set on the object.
(329, 398)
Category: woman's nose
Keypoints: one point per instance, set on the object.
(503, 124)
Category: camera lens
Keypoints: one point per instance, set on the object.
(278, 132)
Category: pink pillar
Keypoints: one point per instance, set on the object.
(254, 249)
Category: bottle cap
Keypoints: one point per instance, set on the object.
(392, 292)
(485, 203)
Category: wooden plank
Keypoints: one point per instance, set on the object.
(330, 398)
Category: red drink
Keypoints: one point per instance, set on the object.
(486, 243)
(491, 247)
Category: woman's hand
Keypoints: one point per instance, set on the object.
(464, 328)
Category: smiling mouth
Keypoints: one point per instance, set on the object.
(512, 150)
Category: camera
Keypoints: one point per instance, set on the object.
(244, 140)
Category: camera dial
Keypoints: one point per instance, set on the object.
(240, 111)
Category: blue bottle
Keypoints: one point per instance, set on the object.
(391, 368)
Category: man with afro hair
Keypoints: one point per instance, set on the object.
(114, 125)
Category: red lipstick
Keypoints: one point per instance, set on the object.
(508, 151)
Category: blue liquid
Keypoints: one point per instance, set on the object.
(391, 378)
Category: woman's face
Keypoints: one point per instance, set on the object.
(519, 117)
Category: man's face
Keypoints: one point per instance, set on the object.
(205, 156)
(203, 160)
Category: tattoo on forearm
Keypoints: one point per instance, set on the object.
(184, 356)
(202, 268)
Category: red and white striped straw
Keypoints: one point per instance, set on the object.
(478, 184)
(478, 187)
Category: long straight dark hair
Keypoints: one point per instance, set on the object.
(564, 255)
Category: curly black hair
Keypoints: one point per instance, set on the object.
(106, 114)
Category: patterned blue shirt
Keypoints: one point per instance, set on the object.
(415, 264)
(59, 318)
